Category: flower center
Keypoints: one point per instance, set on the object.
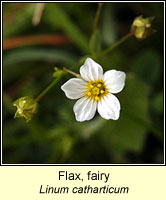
(96, 89)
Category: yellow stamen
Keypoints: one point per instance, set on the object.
(89, 93)
(96, 90)
(97, 98)
(99, 85)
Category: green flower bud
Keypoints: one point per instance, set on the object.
(26, 107)
(141, 27)
(58, 72)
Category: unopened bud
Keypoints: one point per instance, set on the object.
(26, 107)
(141, 27)
(58, 72)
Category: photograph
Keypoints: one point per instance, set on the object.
(83, 83)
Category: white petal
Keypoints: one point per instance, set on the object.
(84, 109)
(91, 70)
(114, 80)
(109, 107)
(74, 88)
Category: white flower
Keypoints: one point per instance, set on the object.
(95, 91)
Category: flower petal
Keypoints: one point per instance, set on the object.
(84, 109)
(109, 107)
(114, 80)
(91, 70)
(74, 88)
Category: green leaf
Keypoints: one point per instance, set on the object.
(157, 103)
(39, 54)
(56, 16)
(62, 143)
(147, 66)
(109, 27)
(95, 43)
(21, 22)
(18, 60)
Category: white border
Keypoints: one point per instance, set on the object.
(163, 164)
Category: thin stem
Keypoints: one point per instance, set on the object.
(116, 44)
(96, 21)
(71, 72)
(41, 95)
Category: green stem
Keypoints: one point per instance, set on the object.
(96, 21)
(41, 95)
(116, 44)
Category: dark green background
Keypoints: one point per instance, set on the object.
(54, 136)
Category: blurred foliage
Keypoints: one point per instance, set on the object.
(54, 136)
